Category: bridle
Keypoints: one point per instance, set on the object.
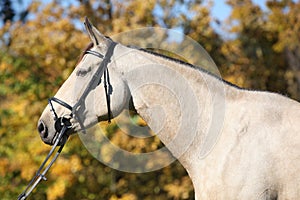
(63, 124)
(95, 81)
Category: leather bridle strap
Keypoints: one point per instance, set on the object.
(96, 79)
(64, 104)
(108, 91)
(95, 53)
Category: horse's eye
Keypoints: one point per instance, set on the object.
(82, 72)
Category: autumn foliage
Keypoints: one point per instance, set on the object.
(257, 48)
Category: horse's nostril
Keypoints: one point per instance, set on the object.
(42, 128)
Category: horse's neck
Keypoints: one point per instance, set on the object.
(176, 100)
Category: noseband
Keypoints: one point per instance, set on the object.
(63, 124)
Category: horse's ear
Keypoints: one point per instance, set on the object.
(96, 37)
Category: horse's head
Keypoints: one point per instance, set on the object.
(82, 100)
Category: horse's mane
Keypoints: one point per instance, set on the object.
(186, 64)
(88, 47)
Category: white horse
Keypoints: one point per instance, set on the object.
(255, 149)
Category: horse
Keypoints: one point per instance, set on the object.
(233, 142)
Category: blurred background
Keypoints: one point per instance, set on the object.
(255, 44)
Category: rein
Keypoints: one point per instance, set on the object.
(63, 124)
(41, 176)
